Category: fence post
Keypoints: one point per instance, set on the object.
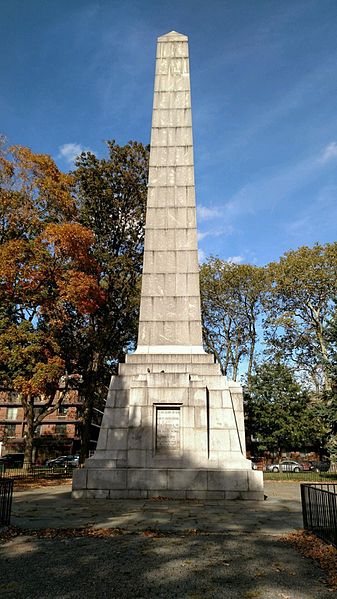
(6, 495)
(304, 506)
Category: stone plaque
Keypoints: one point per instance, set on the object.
(168, 429)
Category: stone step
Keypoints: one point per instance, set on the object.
(172, 368)
(169, 358)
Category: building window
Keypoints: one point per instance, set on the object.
(62, 411)
(61, 429)
(12, 413)
(10, 430)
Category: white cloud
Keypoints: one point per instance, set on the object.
(201, 256)
(70, 151)
(329, 152)
(234, 259)
(202, 235)
(205, 213)
(226, 230)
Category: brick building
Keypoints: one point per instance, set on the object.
(59, 432)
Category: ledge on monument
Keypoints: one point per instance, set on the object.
(174, 358)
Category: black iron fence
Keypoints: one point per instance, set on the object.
(27, 471)
(6, 495)
(319, 509)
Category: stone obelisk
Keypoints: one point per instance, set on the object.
(173, 426)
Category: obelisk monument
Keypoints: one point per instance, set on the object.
(173, 426)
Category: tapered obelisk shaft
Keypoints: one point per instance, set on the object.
(170, 318)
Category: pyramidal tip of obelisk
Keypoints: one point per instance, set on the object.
(173, 36)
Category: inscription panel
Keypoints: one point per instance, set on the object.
(167, 429)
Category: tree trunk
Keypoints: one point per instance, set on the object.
(251, 360)
(29, 432)
(89, 397)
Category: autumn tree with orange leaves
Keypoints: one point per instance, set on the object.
(71, 249)
(47, 277)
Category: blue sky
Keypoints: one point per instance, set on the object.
(264, 98)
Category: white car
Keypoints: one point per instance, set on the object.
(285, 466)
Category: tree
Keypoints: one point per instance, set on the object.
(231, 305)
(280, 416)
(299, 307)
(47, 277)
(326, 406)
(111, 197)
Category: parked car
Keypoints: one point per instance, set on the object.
(12, 460)
(285, 466)
(320, 466)
(64, 461)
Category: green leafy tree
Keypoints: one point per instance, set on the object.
(299, 307)
(111, 198)
(280, 415)
(231, 306)
(326, 404)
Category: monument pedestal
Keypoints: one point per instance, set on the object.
(172, 427)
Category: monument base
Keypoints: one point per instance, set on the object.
(135, 483)
(173, 427)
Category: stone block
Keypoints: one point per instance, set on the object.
(115, 417)
(255, 481)
(163, 380)
(147, 479)
(188, 439)
(137, 458)
(110, 402)
(174, 117)
(234, 440)
(100, 460)
(135, 416)
(138, 396)
(172, 459)
(79, 479)
(140, 438)
(188, 417)
(102, 439)
(97, 494)
(195, 336)
(200, 416)
(200, 440)
(187, 479)
(222, 418)
(165, 262)
(106, 479)
(167, 100)
(117, 439)
(227, 481)
(226, 399)
(219, 440)
(197, 397)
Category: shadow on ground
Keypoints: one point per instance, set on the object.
(200, 549)
(136, 566)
